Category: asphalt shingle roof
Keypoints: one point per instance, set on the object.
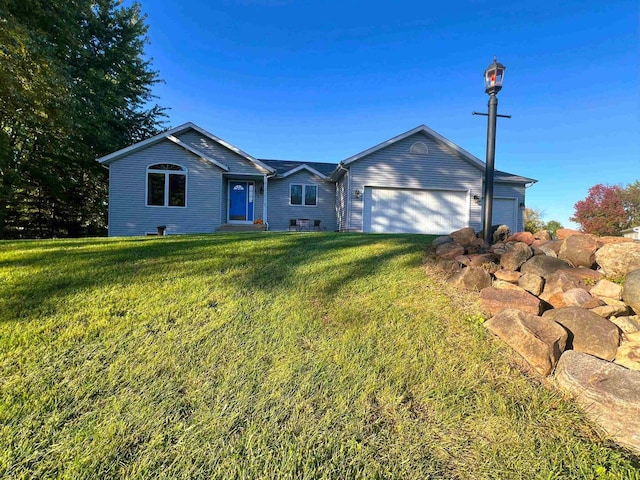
(283, 166)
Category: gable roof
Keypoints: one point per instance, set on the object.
(171, 136)
(284, 168)
(472, 159)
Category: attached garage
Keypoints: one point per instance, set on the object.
(505, 212)
(395, 210)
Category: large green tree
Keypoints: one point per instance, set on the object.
(74, 85)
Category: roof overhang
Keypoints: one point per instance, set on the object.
(304, 166)
(419, 129)
(174, 132)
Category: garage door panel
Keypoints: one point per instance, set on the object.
(388, 210)
(504, 212)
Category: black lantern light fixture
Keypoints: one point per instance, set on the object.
(493, 78)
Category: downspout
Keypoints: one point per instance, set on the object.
(265, 199)
(348, 197)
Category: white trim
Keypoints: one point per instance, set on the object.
(265, 184)
(166, 174)
(304, 187)
(253, 204)
(304, 166)
(419, 129)
(197, 152)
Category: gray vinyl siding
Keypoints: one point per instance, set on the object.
(512, 190)
(279, 210)
(128, 213)
(341, 202)
(236, 163)
(394, 167)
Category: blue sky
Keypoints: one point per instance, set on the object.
(323, 80)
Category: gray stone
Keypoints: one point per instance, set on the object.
(618, 259)
(500, 233)
(531, 283)
(588, 332)
(518, 253)
(609, 394)
(576, 297)
(449, 250)
(471, 278)
(441, 240)
(579, 250)
(606, 288)
(543, 265)
(539, 341)
(465, 236)
(493, 300)
(631, 290)
(551, 248)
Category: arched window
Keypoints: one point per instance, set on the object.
(419, 148)
(166, 185)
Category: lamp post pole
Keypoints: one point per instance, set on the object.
(493, 77)
(490, 166)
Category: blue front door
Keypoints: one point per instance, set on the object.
(241, 201)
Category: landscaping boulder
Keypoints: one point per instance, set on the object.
(628, 324)
(579, 250)
(618, 259)
(628, 354)
(441, 240)
(576, 297)
(606, 311)
(631, 290)
(543, 265)
(551, 248)
(609, 394)
(524, 237)
(518, 254)
(564, 233)
(510, 276)
(449, 250)
(471, 278)
(606, 288)
(465, 236)
(479, 259)
(542, 235)
(531, 283)
(502, 285)
(493, 300)
(555, 286)
(500, 233)
(588, 332)
(585, 277)
(539, 341)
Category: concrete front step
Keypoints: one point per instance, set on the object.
(227, 227)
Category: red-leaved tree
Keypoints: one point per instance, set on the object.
(602, 212)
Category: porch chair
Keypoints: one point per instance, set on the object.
(316, 225)
(293, 224)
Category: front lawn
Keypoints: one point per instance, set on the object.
(266, 355)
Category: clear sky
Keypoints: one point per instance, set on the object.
(323, 80)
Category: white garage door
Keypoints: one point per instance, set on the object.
(504, 213)
(392, 210)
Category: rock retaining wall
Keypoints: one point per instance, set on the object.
(569, 305)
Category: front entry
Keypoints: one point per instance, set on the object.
(241, 201)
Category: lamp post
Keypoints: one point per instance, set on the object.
(493, 77)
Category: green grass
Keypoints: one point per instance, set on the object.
(254, 356)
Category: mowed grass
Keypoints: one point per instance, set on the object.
(307, 356)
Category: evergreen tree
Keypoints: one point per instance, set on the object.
(74, 85)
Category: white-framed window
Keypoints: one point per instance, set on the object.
(303, 195)
(166, 185)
